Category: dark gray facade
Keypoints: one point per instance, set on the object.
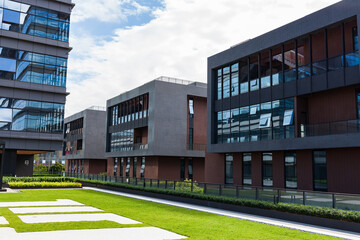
(34, 50)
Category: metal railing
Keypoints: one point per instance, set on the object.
(329, 128)
(97, 108)
(140, 146)
(311, 198)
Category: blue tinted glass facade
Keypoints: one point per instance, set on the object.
(257, 122)
(32, 67)
(31, 116)
(122, 141)
(36, 21)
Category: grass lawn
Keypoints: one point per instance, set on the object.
(194, 224)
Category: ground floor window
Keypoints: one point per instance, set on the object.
(135, 167)
(115, 166)
(320, 174)
(229, 163)
(267, 170)
(190, 168)
(142, 170)
(127, 170)
(246, 169)
(290, 170)
(182, 168)
(121, 167)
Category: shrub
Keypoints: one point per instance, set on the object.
(44, 185)
(185, 186)
(41, 168)
(57, 167)
(38, 179)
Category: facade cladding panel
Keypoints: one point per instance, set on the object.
(84, 142)
(162, 125)
(34, 47)
(292, 94)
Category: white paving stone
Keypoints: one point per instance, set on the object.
(25, 210)
(3, 221)
(50, 218)
(58, 202)
(141, 233)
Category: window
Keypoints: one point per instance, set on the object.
(226, 135)
(5, 115)
(135, 167)
(265, 70)
(191, 138)
(191, 108)
(247, 169)
(244, 81)
(265, 120)
(355, 39)
(121, 167)
(190, 168)
(115, 166)
(7, 65)
(235, 125)
(358, 104)
(267, 172)
(235, 79)
(127, 170)
(142, 169)
(254, 73)
(320, 171)
(277, 64)
(182, 169)
(288, 117)
(290, 170)
(229, 178)
(289, 62)
(10, 16)
(226, 82)
(219, 127)
(219, 84)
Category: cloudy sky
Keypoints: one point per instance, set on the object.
(121, 44)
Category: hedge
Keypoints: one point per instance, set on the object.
(38, 179)
(44, 185)
(331, 213)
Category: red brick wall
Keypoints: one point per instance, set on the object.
(198, 169)
(278, 169)
(169, 168)
(304, 165)
(237, 168)
(215, 168)
(256, 168)
(97, 166)
(151, 167)
(200, 115)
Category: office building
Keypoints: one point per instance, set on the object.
(158, 131)
(84, 142)
(34, 47)
(283, 108)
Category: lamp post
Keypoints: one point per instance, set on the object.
(2, 145)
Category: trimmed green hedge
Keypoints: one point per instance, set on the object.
(331, 213)
(44, 185)
(38, 179)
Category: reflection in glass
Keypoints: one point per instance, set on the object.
(254, 73)
(229, 162)
(267, 169)
(290, 170)
(247, 169)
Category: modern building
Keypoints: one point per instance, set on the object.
(84, 142)
(283, 108)
(158, 131)
(49, 158)
(34, 47)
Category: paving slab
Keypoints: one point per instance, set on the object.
(25, 210)
(58, 202)
(3, 221)
(249, 217)
(51, 218)
(136, 233)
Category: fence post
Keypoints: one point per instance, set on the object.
(144, 182)
(304, 198)
(333, 200)
(220, 190)
(205, 188)
(237, 191)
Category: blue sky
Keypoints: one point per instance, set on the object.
(121, 44)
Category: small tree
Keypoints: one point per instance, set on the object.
(57, 167)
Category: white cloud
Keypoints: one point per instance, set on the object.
(176, 43)
(106, 10)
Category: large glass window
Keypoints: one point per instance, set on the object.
(191, 108)
(122, 141)
(244, 81)
(190, 169)
(244, 124)
(115, 166)
(219, 84)
(226, 82)
(290, 170)
(191, 138)
(319, 53)
(235, 79)
(219, 127)
(127, 170)
(265, 121)
(267, 169)
(235, 125)
(247, 169)
(320, 171)
(229, 162)
(35, 21)
(226, 120)
(277, 64)
(335, 47)
(303, 58)
(182, 168)
(254, 73)
(289, 62)
(265, 69)
(142, 170)
(122, 167)
(135, 168)
(254, 117)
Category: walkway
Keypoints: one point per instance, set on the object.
(254, 218)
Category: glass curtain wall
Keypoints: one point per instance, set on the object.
(289, 62)
(265, 69)
(244, 76)
(277, 65)
(235, 79)
(303, 58)
(254, 73)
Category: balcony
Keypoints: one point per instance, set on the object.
(140, 146)
(329, 128)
